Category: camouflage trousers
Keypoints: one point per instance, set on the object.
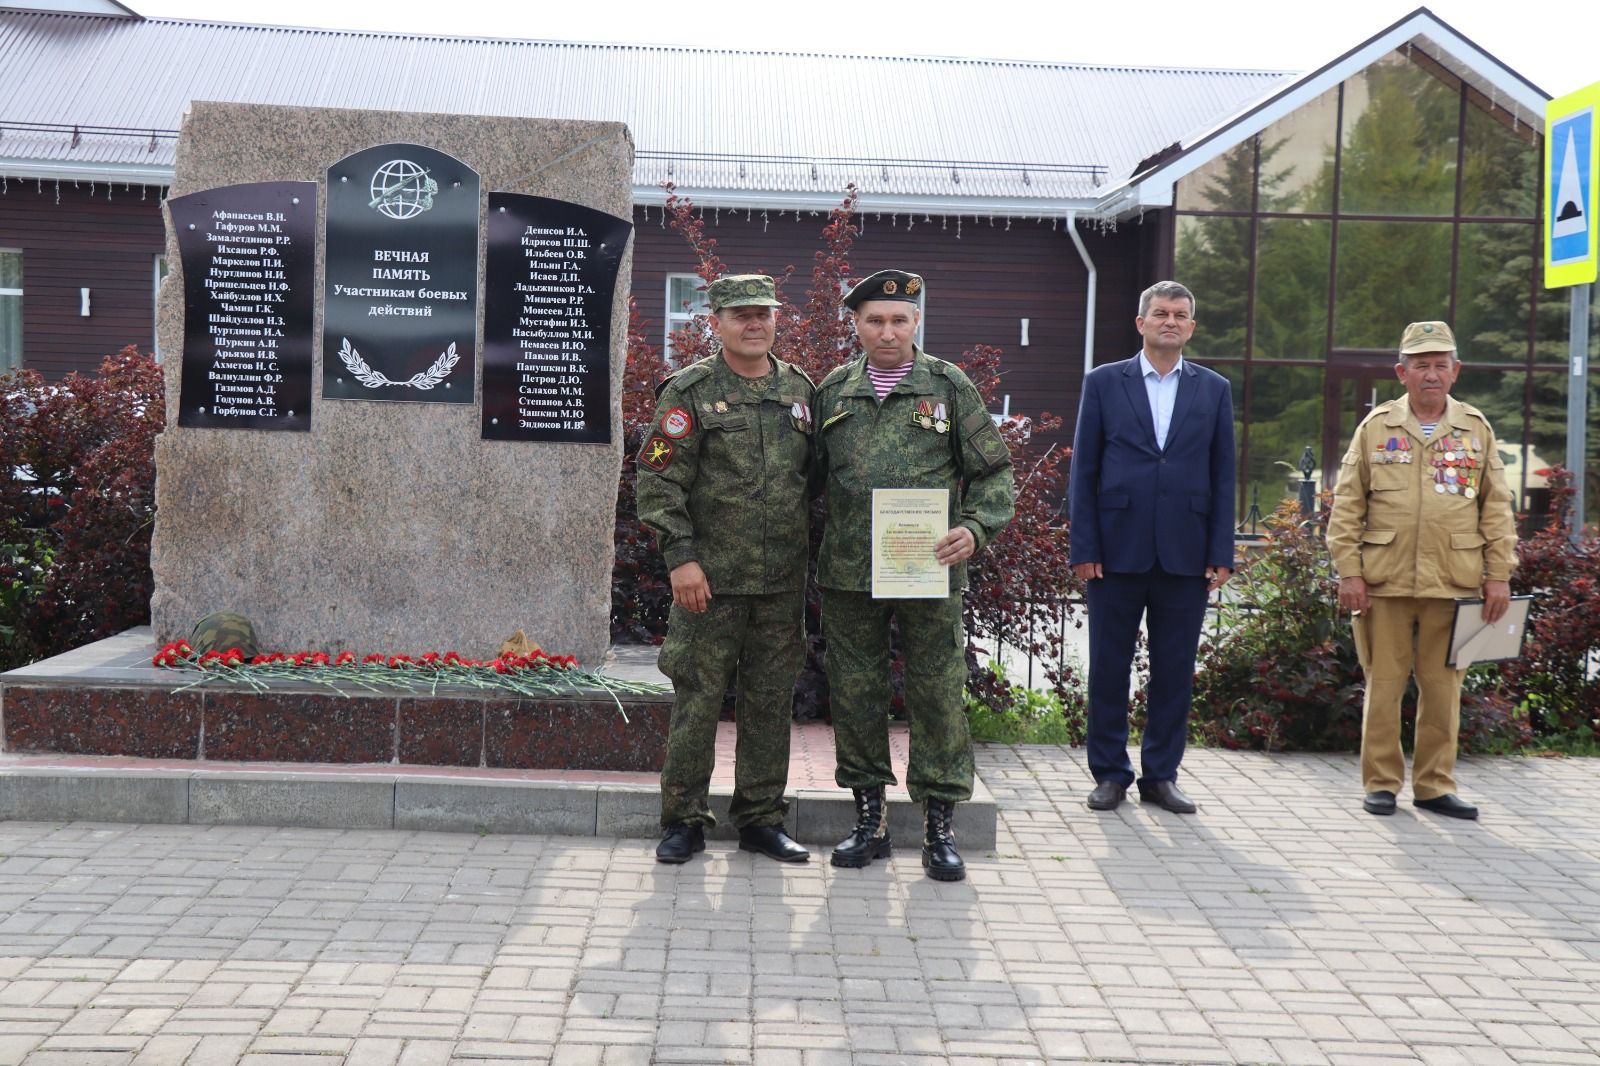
(759, 643)
(933, 647)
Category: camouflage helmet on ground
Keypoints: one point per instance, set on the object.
(222, 630)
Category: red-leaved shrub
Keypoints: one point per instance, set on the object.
(1557, 679)
(77, 481)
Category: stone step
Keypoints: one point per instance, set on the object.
(99, 704)
(111, 789)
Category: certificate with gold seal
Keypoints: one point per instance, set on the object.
(906, 524)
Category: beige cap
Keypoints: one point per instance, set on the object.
(1422, 337)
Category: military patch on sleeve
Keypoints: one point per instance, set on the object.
(657, 453)
(676, 423)
(991, 446)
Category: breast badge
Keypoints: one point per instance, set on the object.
(1456, 466)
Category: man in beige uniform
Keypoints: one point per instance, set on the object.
(1421, 517)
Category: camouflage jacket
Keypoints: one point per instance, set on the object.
(722, 476)
(1427, 517)
(864, 445)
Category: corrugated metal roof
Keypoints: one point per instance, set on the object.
(707, 119)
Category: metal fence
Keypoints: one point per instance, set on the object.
(1059, 615)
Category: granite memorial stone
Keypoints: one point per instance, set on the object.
(397, 527)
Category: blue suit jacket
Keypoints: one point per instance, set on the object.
(1134, 504)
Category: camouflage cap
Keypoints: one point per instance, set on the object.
(885, 285)
(222, 630)
(1422, 337)
(742, 290)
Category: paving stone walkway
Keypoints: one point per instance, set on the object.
(1280, 925)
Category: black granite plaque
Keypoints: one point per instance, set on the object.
(400, 297)
(249, 267)
(550, 275)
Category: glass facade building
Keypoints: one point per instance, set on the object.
(1401, 194)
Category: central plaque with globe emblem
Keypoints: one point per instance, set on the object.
(401, 288)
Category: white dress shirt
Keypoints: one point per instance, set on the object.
(1163, 394)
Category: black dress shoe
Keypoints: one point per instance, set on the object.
(1166, 795)
(680, 842)
(1379, 802)
(772, 841)
(1449, 806)
(1107, 796)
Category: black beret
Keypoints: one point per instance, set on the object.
(885, 285)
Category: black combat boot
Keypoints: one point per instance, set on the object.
(870, 838)
(939, 856)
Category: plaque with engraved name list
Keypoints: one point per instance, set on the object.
(550, 277)
(248, 256)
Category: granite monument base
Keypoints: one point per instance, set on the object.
(107, 699)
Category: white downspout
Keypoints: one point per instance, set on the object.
(1088, 315)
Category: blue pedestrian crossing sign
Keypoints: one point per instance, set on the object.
(1570, 195)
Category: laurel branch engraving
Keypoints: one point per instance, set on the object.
(374, 379)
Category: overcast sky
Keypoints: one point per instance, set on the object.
(1542, 42)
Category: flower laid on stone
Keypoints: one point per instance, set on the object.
(535, 674)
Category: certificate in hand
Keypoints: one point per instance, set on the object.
(906, 524)
(1472, 640)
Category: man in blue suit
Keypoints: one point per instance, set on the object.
(1152, 535)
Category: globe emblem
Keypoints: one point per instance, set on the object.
(402, 190)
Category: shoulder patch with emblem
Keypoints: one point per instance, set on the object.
(676, 423)
(657, 453)
(984, 436)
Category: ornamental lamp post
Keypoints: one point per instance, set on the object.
(1308, 488)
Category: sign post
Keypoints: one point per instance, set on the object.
(1572, 251)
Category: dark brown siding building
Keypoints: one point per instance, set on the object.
(70, 240)
(1037, 199)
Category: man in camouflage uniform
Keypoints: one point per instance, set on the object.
(1421, 517)
(930, 430)
(723, 483)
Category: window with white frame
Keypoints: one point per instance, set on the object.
(158, 272)
(922, 313)
(10, 308)
(686, 298)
